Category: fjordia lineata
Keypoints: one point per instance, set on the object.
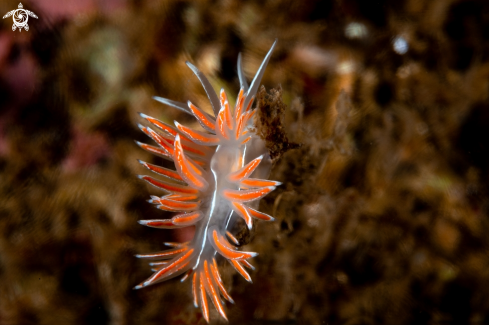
(218, 177)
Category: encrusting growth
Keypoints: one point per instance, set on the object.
(211, 184)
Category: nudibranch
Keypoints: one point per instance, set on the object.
(217, 178)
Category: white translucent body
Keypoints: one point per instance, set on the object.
(220, 198)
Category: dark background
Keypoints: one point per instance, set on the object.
(383, 215)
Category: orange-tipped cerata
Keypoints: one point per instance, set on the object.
(209, 189)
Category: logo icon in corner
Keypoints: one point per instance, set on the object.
(21, 16)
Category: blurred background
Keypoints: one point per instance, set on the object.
(383, 214)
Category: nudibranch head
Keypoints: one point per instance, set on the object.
(212, 184)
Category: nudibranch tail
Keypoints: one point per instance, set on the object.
(210, 186)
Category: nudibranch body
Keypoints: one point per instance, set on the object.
(214, 181)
